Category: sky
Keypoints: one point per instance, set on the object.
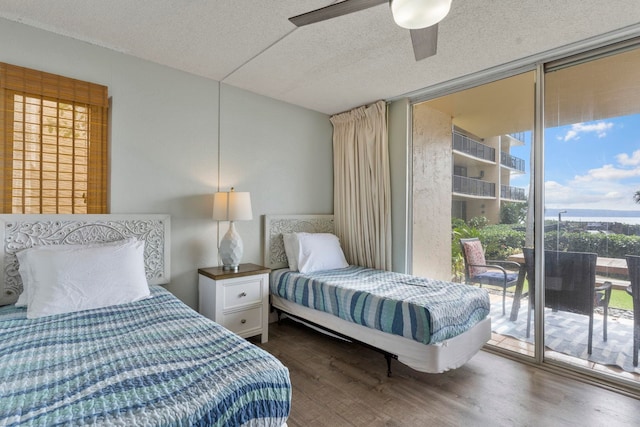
(591, 165)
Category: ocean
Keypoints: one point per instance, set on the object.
(601, 219)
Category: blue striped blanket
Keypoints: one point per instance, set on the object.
(425, 310)
(152, 362)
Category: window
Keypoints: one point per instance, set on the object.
(583, 167)
(53, 143)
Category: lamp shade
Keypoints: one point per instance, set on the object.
(232, 206)
(414, 14)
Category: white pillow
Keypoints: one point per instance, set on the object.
(75, 279)
(23, 298)
(319, 251)
(23, 261)
(292, 249)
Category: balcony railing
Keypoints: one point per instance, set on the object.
(512, 162)
(467, 145)
(512, 193)
(520, 136)
(473, 187)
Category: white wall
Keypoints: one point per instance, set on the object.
(165, 147)
(280, 153)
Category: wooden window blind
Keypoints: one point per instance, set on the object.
(53, 143)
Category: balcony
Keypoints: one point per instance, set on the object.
(473, 187)
(466, 145)
(512, 193)
(519, 136)
(511, 162)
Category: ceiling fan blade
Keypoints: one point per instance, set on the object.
(425, 42)
(333, 11)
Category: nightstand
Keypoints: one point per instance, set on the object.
(238, 301)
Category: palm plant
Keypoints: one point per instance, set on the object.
(636, 196)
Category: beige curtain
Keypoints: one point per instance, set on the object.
(361, 188)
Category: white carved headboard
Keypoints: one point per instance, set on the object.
(24, 231)
(276, 225)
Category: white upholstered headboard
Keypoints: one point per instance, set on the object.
(24, 231)
(276, 225)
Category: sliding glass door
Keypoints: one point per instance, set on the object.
(472, 163)
(567, 137)
(592, 218)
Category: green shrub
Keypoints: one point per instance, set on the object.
(459, 230)
(605, 245)
(501, 240)
(513, 213)
(478, 222)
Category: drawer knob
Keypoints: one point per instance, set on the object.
(243, 321)
(244, 294)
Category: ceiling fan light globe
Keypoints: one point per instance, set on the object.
(415, 14)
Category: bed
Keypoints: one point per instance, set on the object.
(436, 350)
(149, 361)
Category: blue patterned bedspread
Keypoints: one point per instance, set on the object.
(152, 362)
(426, 310)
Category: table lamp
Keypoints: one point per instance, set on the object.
(231, 206)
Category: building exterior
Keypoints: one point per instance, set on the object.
(482, 170)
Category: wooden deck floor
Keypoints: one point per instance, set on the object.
(344, 384)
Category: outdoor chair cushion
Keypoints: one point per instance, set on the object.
(475, 257)
(495, 278)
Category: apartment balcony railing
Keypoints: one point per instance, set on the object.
(473, 187)
(512, 193)
(467, 145)
(512, 162)
(520, 136)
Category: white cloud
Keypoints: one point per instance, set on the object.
(572, 134)
(613, 195)
(599, 128)
(607, 173)
(629, 167)
(625, 160)
(590, 195)
(606, 187)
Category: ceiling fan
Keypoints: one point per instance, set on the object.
(419, 16)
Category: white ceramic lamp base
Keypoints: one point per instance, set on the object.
(231, 249)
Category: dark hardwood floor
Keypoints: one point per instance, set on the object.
(344, 384)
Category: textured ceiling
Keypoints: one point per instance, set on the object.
(330, 66)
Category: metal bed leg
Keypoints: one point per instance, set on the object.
(388, 357)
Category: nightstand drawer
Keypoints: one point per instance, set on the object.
(242, 293)
(243, 321)
(239, 301)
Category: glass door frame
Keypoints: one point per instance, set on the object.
(570, 54)
(538, 212)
